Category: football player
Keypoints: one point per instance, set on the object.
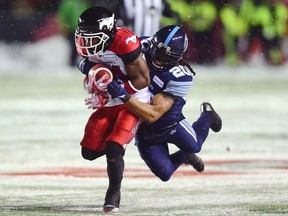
(112, 126)
(171, 78)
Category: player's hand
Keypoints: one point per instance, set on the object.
(97, 79)
(116, 90)
(84, 65)
(96, 101)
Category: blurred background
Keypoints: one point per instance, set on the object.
(40, 33)
(239, 50)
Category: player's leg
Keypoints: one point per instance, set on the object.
(181, 157)
(89, 154)
(157, 158)
(115, 168)
(216, 121)
(123, 132)
(190, 139)
(185, 138)
(96, 131)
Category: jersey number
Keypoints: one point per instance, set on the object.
(179, 71)
(132, 39)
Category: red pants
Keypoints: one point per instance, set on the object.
(115, 124)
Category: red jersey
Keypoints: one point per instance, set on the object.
(125, 49)
(112, 122)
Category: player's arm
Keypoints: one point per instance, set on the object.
(84, 65)
(150, 113)
(138, 73)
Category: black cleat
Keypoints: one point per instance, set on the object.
(216, 120)
(196, 162)
(112, 201)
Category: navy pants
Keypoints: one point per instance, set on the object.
(189, 139)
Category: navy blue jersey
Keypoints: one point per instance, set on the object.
(175, 81)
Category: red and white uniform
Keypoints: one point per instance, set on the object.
(114, 122)
(124, 49)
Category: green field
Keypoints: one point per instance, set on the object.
(42, 117)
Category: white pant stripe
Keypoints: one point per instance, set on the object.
(188, 128)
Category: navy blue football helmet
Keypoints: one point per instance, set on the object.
(168, 46)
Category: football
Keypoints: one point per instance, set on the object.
(98, 78)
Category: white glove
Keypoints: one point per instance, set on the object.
(96, 101)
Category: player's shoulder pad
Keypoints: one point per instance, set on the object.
(125, 42)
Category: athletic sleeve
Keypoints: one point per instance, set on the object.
(132, 56)
(178, 88)
(179, 82)
(126, 45)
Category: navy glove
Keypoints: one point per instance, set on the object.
(84, 65)
(116, 90)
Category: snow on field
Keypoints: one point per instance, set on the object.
(45, 55)
(42, 116)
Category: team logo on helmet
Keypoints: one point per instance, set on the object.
(106, 23)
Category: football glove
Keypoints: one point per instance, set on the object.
(96, 101)
(117, 90)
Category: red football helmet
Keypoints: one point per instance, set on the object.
(99, 76)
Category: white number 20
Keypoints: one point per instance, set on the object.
(179, 71)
